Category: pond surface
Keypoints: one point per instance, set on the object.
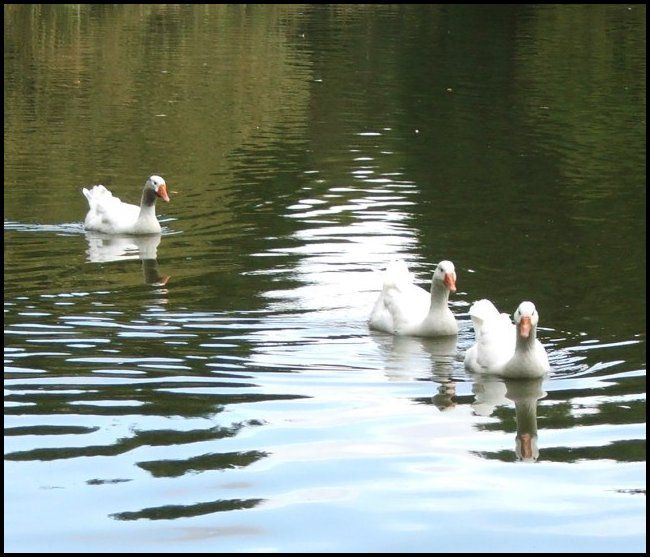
(216, 388)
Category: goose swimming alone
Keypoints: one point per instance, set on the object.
(110, 215)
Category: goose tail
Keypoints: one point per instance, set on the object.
(397, 274)
(481, 312)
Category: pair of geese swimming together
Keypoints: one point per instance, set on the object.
(501, 347)
(403, 308)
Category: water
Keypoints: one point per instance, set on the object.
(216, 388)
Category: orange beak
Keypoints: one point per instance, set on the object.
(450, 281)
(162, 192)
(524, 327)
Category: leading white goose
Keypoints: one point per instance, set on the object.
(505, 349)
(403, 308)
(110, 215)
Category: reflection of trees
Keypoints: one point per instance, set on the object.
(585, 85)
(140, 438)
(212, 111)
(570, 410)
(525, 124)
(160, 96)
(233, 89)
(169, 512)
(561, 412)
(626, 450)
(202, 463)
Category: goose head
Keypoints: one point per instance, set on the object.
(446, 273)
(526, 318)
(158, 186)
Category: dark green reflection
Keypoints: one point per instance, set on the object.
(170, 512)
(154, 438)
(203, 463)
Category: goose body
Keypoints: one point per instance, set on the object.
(404, 308)
(110, 215)
(504, 348)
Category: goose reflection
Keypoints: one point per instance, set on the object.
(417, 357)
(491, 392)
(525, 395)
(103, 248)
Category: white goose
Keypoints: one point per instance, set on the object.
(403, 308)
(503, 348)
(110, 215)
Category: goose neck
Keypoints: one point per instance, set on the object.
(148, 203)
(526, 344)
(439, 294)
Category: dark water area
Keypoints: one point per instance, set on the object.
(216, 387)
